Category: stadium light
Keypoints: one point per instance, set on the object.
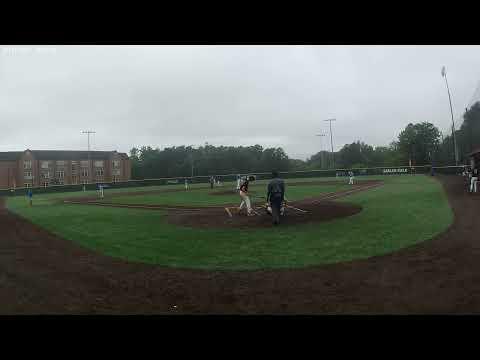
(88, 132)
(444, 74)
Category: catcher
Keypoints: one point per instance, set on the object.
(276, 197)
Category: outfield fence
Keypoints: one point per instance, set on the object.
(392, 170)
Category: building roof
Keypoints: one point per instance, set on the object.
(71, 155)
(10, 155)
(474, 152)
(62, 155)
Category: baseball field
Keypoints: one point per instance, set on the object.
(165, 249)
(192, 229)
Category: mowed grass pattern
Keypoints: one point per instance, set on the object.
(404, 211)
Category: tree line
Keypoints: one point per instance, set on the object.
(185, 161)
(418, 144)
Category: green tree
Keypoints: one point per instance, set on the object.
(419, 143)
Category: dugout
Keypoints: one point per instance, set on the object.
(474, 158)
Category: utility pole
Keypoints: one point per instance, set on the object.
(469, 129)
(321, 149)
(331, 140)
(444, 74)
(88, 132)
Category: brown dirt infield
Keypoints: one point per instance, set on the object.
(43, 274)
(214, 218)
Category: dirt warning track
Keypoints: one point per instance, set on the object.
(43, 274)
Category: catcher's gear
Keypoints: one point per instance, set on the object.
(268, 208)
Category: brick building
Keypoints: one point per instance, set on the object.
(51, 167)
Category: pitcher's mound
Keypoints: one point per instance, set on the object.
(219, 217)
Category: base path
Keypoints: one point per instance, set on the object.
(43, 274)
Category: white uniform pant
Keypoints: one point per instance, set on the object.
(245, 201)
(473, 184)
(350, 182)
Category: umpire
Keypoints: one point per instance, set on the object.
(275, 196)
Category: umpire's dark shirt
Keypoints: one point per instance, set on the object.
(274, 184)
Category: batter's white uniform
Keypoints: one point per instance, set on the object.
(350, 181)
(245, 200)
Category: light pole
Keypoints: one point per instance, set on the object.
(321, 149)
(88, 132)
(331, 139)
(444, 74)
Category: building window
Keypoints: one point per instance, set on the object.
(116, 164)
(27, 174)
(28, 185)
(116, 179)
(99, 172)
(99, 164)
(116, 172)
(84, 163)
(60, 163)
(27, 164)
(46, 175)
(44, 164)
(45, 184)
(84, 172)
(60, 174)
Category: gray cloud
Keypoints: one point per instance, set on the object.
(226, 95)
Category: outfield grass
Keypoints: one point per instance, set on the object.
(405, 211)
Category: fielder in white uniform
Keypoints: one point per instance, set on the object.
(474, 180)
(350, 181)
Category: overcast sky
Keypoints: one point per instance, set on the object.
(227, 95)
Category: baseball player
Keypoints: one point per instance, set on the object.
(245, 199)
(211, 182)
(276, 196)
(30, 196)
(186, 184)
(350, 181)
(474, 180)
(100, 190)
